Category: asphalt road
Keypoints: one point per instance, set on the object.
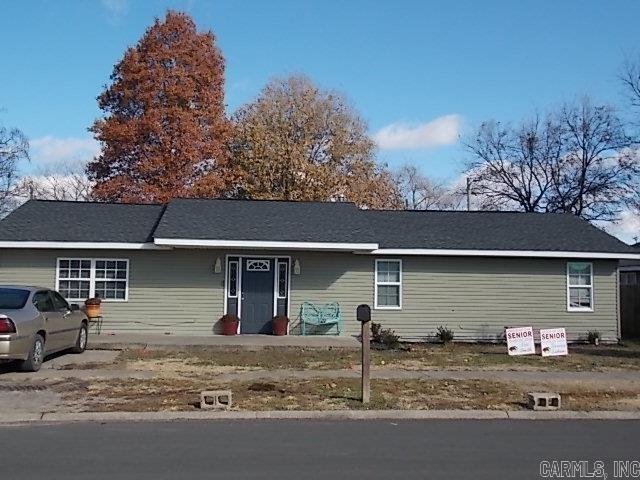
(454, 449)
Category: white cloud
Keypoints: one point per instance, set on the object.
(116, 8)
(49, 150)
(628, 228)
(403, 136)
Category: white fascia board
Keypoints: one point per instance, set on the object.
(82, 245)
(265, 245)
(505, 253)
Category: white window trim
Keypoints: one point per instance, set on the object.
(376, 284)
(590, 287)
(228, 283)
(92, 278)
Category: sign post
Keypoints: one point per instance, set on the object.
(363, 314)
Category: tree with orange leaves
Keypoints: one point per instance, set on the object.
(164, 132)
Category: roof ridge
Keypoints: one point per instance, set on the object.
(466, 211)
(92, 202)
(261, 200)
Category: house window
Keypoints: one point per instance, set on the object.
(232, 279)
(258, 265)
(82, 278)
(579, 286)
(388, 288)
(74, 278)
(283, 268)
(111, 279)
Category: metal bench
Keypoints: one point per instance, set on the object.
(320, 316)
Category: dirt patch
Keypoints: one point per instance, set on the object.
(183, 394)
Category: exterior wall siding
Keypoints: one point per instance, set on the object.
(177, 291)
(169, 291)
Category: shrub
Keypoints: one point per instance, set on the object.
(384, 337)
(444, 334)
(593, 337)
(229, 317)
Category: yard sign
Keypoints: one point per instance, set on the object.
(520, 341)
(553, 342)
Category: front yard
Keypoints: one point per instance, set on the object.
(455, 376)
(262, 379)
(456, 356)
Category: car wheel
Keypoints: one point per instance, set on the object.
(36, 355)
(81, 341)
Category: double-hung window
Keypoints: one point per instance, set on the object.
(579, 287)
(82, 278)
(388, 287)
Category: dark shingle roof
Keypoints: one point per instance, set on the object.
(264, 220)
(202, 219)
(491, 231)
(54, 221)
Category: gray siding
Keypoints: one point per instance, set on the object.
(475, 297)
(177, 291)
(169, 291)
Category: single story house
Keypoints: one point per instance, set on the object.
(177, 268)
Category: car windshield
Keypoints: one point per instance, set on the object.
(13, 298)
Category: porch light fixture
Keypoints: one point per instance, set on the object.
(296, 267)
(217, 267)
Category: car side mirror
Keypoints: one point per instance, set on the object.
(74, 307)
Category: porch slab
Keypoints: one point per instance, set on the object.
(119, 341)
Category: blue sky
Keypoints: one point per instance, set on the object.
(421, 73)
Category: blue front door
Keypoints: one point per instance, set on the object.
(257, 295)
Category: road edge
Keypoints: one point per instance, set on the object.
(59, 417)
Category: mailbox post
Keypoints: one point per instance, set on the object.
(363, 314)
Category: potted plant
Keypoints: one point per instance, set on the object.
(593, 337)
(279, 325)
(92, 307)
(230, 323)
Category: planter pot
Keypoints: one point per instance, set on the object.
(279, 326)
(92, 310)
(229, 328)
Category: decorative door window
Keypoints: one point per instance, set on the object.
(260, 265)
(281, 280)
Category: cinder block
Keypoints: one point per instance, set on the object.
(544, 401)
(215, 400)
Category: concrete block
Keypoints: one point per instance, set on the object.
(544, 401)
(215, 400)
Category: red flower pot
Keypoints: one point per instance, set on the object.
(229, 327)
(279, 325)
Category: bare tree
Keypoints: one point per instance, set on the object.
(511, 167)
(420, 192)
(576, 160)
(630, 78)
(64, 182)
(14, 147)
(598, 173)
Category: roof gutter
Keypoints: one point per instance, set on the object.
(505, 253)
(82, 245)
(267, 245)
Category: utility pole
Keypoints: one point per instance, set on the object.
(468, 194)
